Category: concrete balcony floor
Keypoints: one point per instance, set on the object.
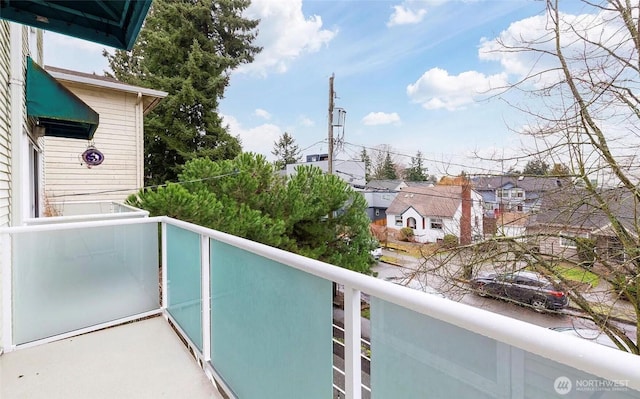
(145, 359)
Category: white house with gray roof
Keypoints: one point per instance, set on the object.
(433, 212)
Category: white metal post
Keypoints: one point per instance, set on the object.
(352, 337)
(206, 298)
(163, 252)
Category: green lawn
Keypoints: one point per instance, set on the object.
(580, 275)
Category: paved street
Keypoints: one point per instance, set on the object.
(562, 319)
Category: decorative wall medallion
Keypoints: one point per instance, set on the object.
(92, 156)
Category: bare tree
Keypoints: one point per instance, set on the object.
(581, 94)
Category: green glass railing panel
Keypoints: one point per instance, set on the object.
(417, 356)
(184, 281)
(66, 280)
(270, 327)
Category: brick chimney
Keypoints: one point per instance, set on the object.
(465, 220)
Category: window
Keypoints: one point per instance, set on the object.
(398, 220)
(411, 222)
(436, 224)
(519, 193)
(567, 241)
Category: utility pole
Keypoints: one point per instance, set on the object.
(331, 97)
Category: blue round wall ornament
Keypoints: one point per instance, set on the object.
(92, 156)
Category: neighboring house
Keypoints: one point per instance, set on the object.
(512, 224)
(574, 213)
(515, 193)
(352, 172)
(433, 212)
(119, 137)
(378, 202)
(386, 185)
(379, 195)
(32, 105)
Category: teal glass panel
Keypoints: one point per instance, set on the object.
(184, 281)
(71, 279)
(417, 356)
(271, 327)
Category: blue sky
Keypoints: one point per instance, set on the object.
(410, 75)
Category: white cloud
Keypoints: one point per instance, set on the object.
(403, 14)
(262, 113)
(381, 118)
(257, 139)
(536, 33)
(285, 34)
(304, 121)
(437, 89)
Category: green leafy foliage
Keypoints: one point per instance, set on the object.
(311, 213)
(286, 151)
(406, 234)
(388, 168)
(417, 171)
(187, 49)
(586, 251)
(449, 241)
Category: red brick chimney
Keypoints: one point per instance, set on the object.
(465, 220)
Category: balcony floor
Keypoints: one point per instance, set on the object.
(138, 360)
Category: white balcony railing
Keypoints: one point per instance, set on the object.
(260, 319)
(67, 212)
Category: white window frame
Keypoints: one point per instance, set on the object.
(399, 221)
(436, 221)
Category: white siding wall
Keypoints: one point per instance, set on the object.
(5, 150)
(68, 180)
(427, 234)
(5, 125)
(477, 210)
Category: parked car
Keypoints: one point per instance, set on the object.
(591, 334)
(377, 253)
(528, 288)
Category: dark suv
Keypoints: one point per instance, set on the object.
(524, 287)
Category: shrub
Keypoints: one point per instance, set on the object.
(406, 234)
(586, 251)
(450, 241)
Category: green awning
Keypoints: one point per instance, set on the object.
(114, 23)
(55, 108)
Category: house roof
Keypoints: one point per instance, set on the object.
(576, 207)
(390, 185)
(150, 97)
(440, 201)
(527, 183)
(512, 219)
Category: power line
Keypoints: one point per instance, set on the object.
(235, 172)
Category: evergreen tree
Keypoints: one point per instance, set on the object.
(536, 167)
(187, 48)
(416, 172)
(364, 157)
(388, 168)
(286, 151)
(560, 169)
(247, 198)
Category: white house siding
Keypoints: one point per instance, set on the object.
(5, 124)
(67, 179)
(477, 213)
(5, 148)
(427, 234)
